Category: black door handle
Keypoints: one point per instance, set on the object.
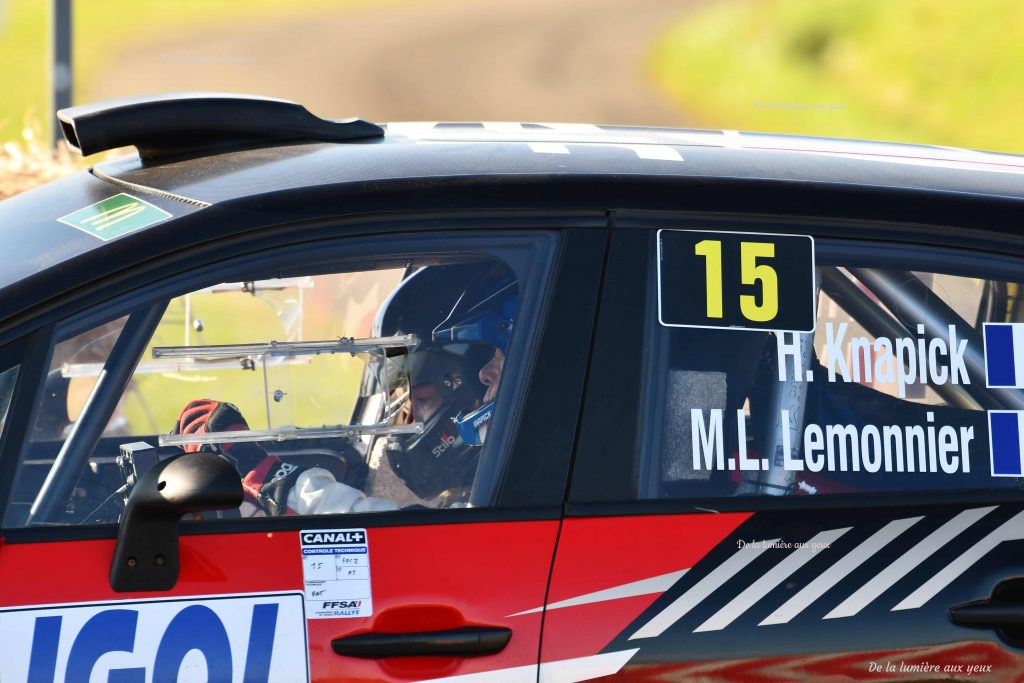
(986, 614)
(467, 641)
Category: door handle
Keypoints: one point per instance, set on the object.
(468, 641)
(988, 614)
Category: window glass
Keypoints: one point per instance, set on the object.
(7, 379)
(366, 390)
(75, 363)
(895, 390)
(74, 366)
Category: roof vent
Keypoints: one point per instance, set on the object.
(189, 123)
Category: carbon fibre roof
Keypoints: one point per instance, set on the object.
(436, 150)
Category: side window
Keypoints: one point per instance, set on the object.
(371, 388)
(7, 379)
(910, 381)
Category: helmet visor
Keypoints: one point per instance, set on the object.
(484, 318)
(434, 376)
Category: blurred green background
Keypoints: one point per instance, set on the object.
(103, 31)
(921, 71)
(944, 73)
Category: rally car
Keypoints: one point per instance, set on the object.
(289, 399)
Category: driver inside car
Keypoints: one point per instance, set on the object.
(454, 377)
(451, 380)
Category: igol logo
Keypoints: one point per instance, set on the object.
(196, 627)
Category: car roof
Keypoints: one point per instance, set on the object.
(437, 150)
(47, 256)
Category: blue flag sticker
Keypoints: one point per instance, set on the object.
(1004, 355)
(1005, 429)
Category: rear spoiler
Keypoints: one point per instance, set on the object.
(191, 123)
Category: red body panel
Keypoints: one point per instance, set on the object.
(423, 578)
(596, 554)
(429, 578)
(78, 571)
(601, 553)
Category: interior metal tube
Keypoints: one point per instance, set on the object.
(879, 323)
(88, 428)
(908, 298)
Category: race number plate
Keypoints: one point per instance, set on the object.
(736, 280)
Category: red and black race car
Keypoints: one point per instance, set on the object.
(288, 399)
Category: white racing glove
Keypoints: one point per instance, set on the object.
(316, 492)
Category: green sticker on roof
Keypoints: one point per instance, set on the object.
(115, 216)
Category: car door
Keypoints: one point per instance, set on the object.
(391, 556)
(796, 503)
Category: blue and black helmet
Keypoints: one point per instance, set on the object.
(460, 313)
(484, 314)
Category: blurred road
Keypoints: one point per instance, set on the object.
(462, 60)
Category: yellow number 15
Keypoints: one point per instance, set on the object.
(751, 273)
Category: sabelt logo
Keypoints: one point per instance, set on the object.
(284, 471)
(342, 604)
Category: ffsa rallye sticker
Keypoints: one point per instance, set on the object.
(736, 280)
(336, 570)
(229, 639)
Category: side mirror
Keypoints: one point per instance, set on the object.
(146, 555)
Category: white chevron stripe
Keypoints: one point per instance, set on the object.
(839, 571)
(905, 564)
(700, 590)
(518, 674)
(584, 668)
(779, 573)
(549, 148)
(563, 671)
(708, 138)
(489, 134)
(574, 127)
(655, 584)
(732, 139)
(411, 127)
(503, 127)
(1011, 530)
(655, 152)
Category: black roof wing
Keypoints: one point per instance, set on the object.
(186, 123)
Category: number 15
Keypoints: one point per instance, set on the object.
(751, 273)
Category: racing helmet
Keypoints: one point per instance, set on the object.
(440, 375)
(483, 315)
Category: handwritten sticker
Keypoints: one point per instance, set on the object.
(336, 573)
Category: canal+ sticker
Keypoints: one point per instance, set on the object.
(253, 637)
(115, 216)
(336, 573)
